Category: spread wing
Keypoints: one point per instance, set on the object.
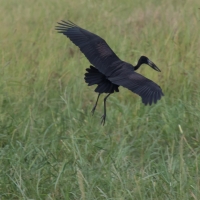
(92, 46)
(148, 90)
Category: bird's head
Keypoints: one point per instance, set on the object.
(145, 60)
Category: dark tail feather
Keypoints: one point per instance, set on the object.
(93, 76)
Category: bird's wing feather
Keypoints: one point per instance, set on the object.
(92, 46)
(148, 90)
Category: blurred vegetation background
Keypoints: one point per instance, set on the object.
(50, 145)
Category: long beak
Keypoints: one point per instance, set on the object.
(153, 66)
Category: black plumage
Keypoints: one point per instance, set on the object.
(108, 71)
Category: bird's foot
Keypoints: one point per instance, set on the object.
(103, 119)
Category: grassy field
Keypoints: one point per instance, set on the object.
(51, 147)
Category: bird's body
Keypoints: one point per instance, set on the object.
(109, 72)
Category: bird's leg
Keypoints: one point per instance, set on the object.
(104, 115)
(95, 104)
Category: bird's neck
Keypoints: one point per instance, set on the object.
(137, 66)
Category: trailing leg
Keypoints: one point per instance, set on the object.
(104, 115)
(95, 104)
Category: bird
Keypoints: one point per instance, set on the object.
(107, 70)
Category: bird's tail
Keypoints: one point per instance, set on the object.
(93, 76)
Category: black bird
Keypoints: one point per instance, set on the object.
(109, 72)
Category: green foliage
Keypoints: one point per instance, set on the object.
(50, 145)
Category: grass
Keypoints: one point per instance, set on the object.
(50, 145)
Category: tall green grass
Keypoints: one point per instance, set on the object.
(50, 145)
